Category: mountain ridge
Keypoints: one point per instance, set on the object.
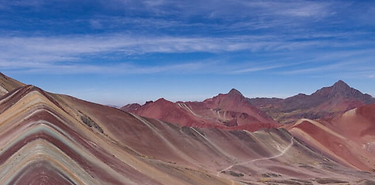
(323, 103)
(231, 110)
(8, 84)
(49, 138)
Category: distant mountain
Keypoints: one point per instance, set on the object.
(8, 84)
(325, 102)
(130, 107)
(231, 110)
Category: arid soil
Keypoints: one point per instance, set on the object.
(48, 138)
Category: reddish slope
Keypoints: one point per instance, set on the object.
(232, 111)
(56, 139)
(171, 112)
(326, 102)
(234, 101)
(262, 157)
(348, 138)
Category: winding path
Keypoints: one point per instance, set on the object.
(259, 159)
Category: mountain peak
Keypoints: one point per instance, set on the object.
(340, 87)
(234, 92)
(341, 90)
(162, 100)
(341, 83)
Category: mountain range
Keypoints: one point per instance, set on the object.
(233, 109)
(49, 138)
(325, 102)
(230, 111)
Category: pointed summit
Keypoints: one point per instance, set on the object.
(235, 92)
(340, 88)
(162, 100)
(341, 91)
(341, 84)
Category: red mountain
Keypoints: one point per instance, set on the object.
(230, 110)
(326, 102)
(348, 138)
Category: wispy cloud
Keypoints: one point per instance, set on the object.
(117, 69)
(230, 14)
(332, 63)
(265, 66)
(240, 7)
(76, 52)
(290, 8)
(53, 49)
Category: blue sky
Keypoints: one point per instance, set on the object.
(122, 51)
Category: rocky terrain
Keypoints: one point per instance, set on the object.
(48, 138)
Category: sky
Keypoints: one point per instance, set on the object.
(117, 52)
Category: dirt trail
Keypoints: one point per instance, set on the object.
(259, 159)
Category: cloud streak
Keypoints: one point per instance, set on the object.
(68, 47)
(240, 8)
(115, 69)
(166, 27)
(76, 54)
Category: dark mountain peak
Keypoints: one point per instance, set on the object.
(341, 85)
(235, 92)
(343, 89)
(161, 100)
(340, 88)
(341, 82)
